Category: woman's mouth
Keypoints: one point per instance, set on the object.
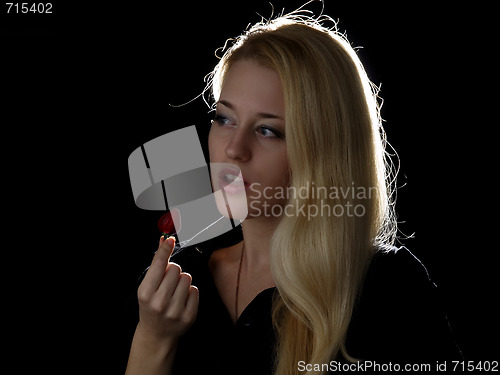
(232, 181)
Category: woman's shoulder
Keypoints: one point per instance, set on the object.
(399, 267)
(398, 314)
(398, 284)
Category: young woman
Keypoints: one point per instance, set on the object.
(310, 281)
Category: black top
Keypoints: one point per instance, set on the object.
(397, 318)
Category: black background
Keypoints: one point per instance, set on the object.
(87, 85)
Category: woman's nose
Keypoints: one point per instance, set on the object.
(239, 147)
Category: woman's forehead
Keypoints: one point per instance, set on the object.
(254, 87)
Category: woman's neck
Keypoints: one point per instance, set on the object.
(257, 233)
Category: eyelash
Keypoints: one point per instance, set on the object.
(220, 120)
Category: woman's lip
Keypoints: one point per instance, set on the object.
(231, 187)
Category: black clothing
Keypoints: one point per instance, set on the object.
(396, 319)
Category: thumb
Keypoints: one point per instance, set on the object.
(165, 249)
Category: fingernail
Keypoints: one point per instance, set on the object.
(170, 241)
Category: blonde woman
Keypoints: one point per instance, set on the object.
(310, 283)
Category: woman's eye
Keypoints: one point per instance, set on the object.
(263, 131)
(221, 120)
(269, 132)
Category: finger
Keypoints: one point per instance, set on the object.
(156, 271)
(169, 282)
(162, 239)
(192, 302)
(167, 246)
(179, 297)
(162, 255)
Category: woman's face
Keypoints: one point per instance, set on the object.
(248, 131)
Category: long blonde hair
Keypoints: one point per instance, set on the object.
(334, 139)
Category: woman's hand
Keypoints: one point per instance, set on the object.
(168, 305)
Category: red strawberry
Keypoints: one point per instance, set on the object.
(169, 222)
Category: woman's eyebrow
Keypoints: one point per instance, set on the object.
(227, 104)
